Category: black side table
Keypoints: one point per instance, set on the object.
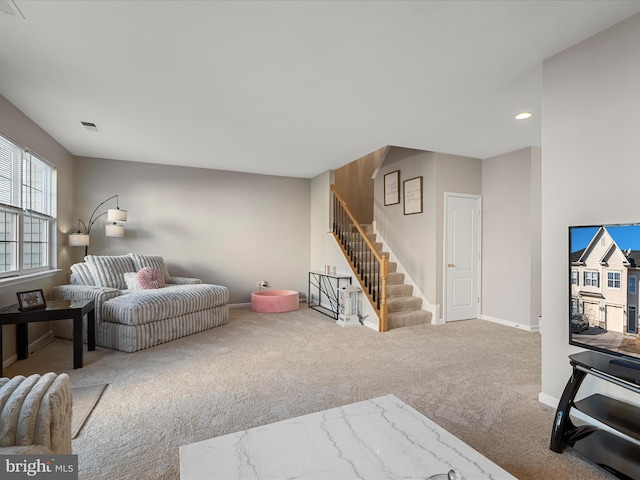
(55, 310)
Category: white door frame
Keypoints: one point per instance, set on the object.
(445, 255)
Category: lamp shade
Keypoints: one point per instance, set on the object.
(116, 215)
(79, 240)
(114, 230)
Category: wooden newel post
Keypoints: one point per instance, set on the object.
(384, 312)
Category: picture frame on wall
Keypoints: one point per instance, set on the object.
(392, 188)
(412, 189)
(31, 300)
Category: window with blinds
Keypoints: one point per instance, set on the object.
(26, 214)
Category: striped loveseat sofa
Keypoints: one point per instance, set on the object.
(130, 316)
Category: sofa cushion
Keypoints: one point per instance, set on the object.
(130, 280)
(109, 270)
(153, 261)
(149, 278)
(145, 279)
(36, 411)
(81, 275)
(145, 306)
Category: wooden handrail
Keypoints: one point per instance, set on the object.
(362, 233)
(382, 260)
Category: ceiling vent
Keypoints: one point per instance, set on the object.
(9, 7)
(91, 126)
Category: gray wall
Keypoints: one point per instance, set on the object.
(411, 238)
(228, 228)
(590, 170)
(225, 227)
(324, 249)
(511, 238)
(510, 187)
(454, 174)
(417, 240)
(17, 126)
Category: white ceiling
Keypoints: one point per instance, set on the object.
(288, 88)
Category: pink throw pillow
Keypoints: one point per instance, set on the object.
(150, 278)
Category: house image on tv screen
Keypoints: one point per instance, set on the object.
(605, 270)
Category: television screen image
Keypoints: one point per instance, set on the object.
(604, 281)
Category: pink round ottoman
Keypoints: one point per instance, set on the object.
(275, 301)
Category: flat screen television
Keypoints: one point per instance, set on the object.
(604, 286)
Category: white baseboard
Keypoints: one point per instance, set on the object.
(372, 326)
(528, 328)
(239, 305)
(427, 306)
(33, 346)
(41, 342)
(302, 298)
(248, 304)
(9, 361)
(548, 400)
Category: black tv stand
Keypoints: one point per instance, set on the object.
(629, 371)
(617, 448)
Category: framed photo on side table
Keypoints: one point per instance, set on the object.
(31, 299)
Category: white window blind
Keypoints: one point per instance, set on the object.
(36, 185)
(26, 213)
(9, 160)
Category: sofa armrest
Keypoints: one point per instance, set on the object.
(36, 414)
(99, 295)
(79, 292)
(25, 450)
(183, 281)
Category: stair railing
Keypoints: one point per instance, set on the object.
(371, 268)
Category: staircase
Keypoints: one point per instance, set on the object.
(404, 309)
(383, 286)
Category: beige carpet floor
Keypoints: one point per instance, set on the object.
(477, 379)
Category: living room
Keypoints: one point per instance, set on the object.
(229, 227)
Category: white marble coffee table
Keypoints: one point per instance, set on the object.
(383, 438)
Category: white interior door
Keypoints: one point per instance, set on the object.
(462, 257)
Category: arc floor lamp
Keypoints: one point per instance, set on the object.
(114, 227)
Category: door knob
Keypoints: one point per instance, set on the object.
(451, 265)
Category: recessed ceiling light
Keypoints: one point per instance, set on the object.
(523, 115)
